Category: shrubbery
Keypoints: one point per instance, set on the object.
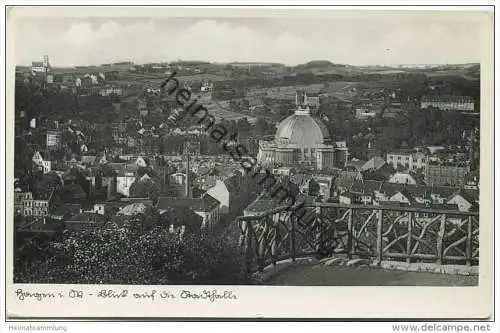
(122, 255)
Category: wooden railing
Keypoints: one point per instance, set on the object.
(375, 232)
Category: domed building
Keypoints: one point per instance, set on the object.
(302, 139)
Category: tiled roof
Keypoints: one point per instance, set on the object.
(75, 191)
(88, 159)
(133, 209)
(179, 216)
(357, 164)
(471, 196)
(369, 186)
(346, 178)
(86, 218)
(39, 226)
(233, 184)
(206, 203)
(260, 205)
(374, 163)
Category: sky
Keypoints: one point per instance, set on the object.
(368, 39)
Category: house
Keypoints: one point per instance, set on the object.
(373, 164)
(74, 193)
(84, 148)
(65, 211)
(38, 207)
(41, 228)
(123, 182)
(408, 159)
(221, 192)
(142, 162)
(181, 218)
(321, 186)
(207, 207)
(41, 66)
(365, 112)
(376, 192)
(135, 208)
(125, 176)
(300, 208)
(103, 159)
(472, 181)
(53, 139)
(446, 174)
(355, 165)
(344, 181)
(44, 165)
(143, 108)
(261, 205)
(401, 197)
(448, 103)
(19, 196)
(465, 200)
(233, 193)
(402, 178)
(110, 91)
(88, 160)
(84, 221)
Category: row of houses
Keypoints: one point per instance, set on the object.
(448, 103)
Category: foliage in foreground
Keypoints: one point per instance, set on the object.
(122, 255)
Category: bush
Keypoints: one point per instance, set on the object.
(118, 255)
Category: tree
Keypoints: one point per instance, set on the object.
(314, 188)
(261, 126)
(144, 189)
(121, 255)
(46, 184)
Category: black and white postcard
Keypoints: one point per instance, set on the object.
(249, 162)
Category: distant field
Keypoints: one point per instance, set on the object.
(281, 91)
(218, 111)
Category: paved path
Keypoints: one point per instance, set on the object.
(315, 275)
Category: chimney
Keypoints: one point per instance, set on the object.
(111, 188)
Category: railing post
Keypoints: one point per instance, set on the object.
(248, 246)
(468, 242)
(292, 237)
(319, 234)
(275, 225)
(440, 238)
(262, 244)
(379, 237)
(350, 234)
(408, 240)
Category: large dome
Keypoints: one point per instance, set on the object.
(304, 130)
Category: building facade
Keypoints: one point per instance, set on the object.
(53, 139)
(445, 175)
(408, 159)
(36, 207)
(40, 163)
(301, 140)
(448, 103)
